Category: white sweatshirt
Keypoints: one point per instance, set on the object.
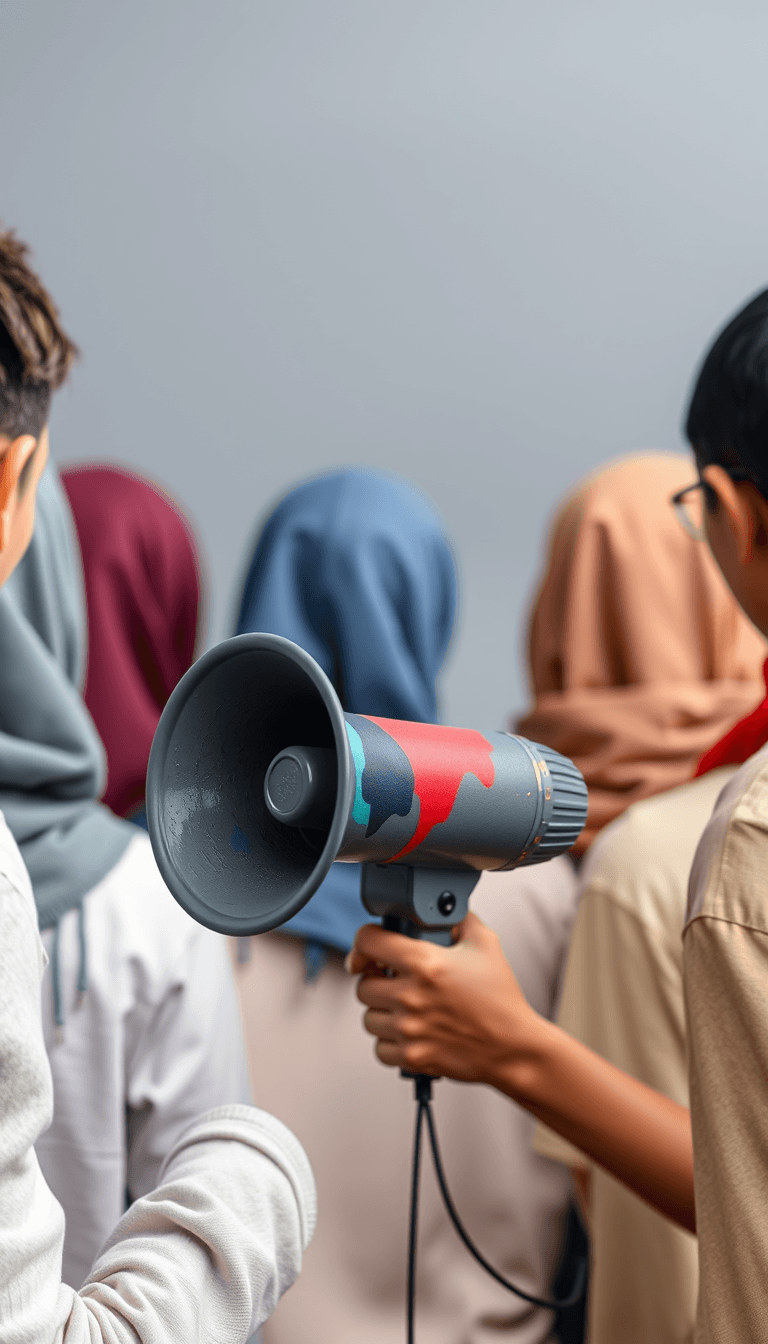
(202, 1259)
(154, 1041)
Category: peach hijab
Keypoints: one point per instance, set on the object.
(640, 657)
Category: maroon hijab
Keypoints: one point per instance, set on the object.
(142, 584)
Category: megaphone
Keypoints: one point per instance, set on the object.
(258, 781)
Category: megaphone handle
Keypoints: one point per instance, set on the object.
(417, 902)
(394, 924)
(422, 1081)
(400, 924)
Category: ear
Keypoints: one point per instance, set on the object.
(14, 460)
(745, 510)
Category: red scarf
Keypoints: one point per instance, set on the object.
(742, 741)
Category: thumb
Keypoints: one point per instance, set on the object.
(471, 931)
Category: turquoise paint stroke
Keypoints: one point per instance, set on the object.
(361, 811)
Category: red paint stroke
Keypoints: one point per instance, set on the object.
(440, 757)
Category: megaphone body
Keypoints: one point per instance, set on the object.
(258, 781)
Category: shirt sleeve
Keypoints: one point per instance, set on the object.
(208, 1254)
(726, 976)
(186, 1054)
(31, 1220)
(204, 1257)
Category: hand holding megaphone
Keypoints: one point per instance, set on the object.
(258, 781)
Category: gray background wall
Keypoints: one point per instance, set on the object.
(480, 243)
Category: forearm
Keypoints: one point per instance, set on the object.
(638, 1135)
(459, 1012)
(207, 1255)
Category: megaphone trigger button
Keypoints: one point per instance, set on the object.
(446, 903)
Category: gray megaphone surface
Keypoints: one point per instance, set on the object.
(225, 858)
(258, 781)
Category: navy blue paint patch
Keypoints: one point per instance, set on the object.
(238, 841)
(388, 778)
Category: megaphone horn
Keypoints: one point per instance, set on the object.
(258, 781)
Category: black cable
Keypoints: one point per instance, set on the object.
(414, 1218)
(555, 1304)
(423, 1089)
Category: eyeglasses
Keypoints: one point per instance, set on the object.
(687, 503)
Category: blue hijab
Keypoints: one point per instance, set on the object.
(356, 567)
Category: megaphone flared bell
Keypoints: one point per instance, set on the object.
(224, 855)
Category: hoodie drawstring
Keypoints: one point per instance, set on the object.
(82, 973)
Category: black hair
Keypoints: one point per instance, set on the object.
(727, 422)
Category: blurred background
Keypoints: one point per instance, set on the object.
(480, 243)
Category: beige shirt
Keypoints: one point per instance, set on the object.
(202, 1260)
(726, 987)
(314, 1065)
(623, 997)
